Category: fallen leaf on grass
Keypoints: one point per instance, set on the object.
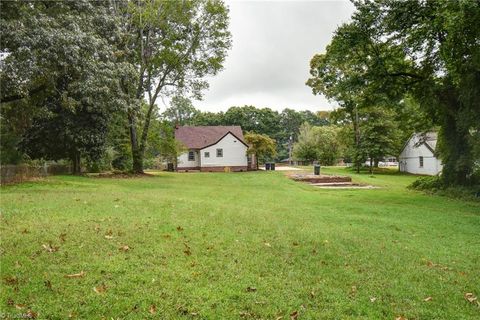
(108, 237)
(251, 289)
(353, 290)
(267, 244)
(295, 244)
(187, 250)
(20, 306)
(179, 228)
(294, 315)
(152, 309)
(373, 299)
(400, 318)
(11, 281)
(76, 275)
(427, 299)
(10, 302)
(124, 248)
(470, 297)
(31, 315)
(279, 318)
(100, 289)
(48, 284)
(63, 237)
(50, 248)
(25, 231)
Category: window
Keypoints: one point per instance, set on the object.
(219, 153)
(191, 156)
(207, 154)
(420, 159)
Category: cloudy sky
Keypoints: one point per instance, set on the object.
(273, 42)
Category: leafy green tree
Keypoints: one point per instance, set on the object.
(320, 144)
(170, 148)
(175, 44)
(260, 145)
(48, 49)
(306, 147)
(67, 135)
(379, 135)
(208, 119)
(427, 50)
(181, 111)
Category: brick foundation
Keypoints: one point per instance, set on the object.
(222, 169)
(213, 169)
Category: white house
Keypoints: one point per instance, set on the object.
(418, 155)
(212, 148)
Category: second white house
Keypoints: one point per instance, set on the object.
(418, 155)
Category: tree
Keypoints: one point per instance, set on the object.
(58, 59)
(175, 45)
(306, 147)
(379, 135)
(170, 148)
(208, 119)
(427, 50)
(318, 144)
(181, 111)
(260, 145)
(66, 134)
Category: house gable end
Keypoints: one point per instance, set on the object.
(226, 134)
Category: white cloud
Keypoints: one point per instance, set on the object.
(273, 43)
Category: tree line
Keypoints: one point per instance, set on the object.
(409, 57)
(78, 74)
(82, 80)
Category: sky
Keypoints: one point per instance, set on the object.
(268, 64)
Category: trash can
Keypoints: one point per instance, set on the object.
(267, 166)
(316, 169)
(272, 166)
(170, 167)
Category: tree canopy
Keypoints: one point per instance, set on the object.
(426, 50)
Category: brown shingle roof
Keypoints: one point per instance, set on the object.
(201, 137)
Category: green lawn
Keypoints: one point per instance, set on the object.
(239, 245)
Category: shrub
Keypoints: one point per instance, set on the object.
(427, 183)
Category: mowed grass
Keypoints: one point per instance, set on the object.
(240, 245)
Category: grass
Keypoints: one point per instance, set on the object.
(230, 246)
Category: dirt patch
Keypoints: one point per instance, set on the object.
(310, 178)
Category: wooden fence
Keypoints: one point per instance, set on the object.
(19, 173)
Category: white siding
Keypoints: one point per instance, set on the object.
(184, 163)
(409, 160)
(234, 153)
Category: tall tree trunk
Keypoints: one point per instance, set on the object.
(137, 156)
(456, 152)
(454, 145)
(356, 129)
(76, 169)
